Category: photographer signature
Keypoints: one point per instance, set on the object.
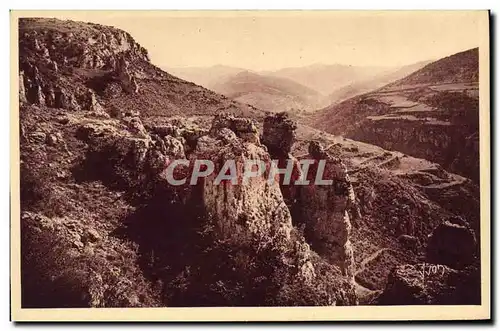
(426, 270)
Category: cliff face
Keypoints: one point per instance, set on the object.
(399, 202)
(101, 224)
(82, 66)
(51, 51)
(431, 114)
(225, 244)
(324, 210)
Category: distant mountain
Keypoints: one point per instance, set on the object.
(458, 68)
(432, 113)
(327, 78)
(268, 92)
(205, 76)
(101, 224)
(364, 86)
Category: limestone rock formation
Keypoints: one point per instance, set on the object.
(254, 210)
(452, 244)
(255, 206)
(324, 210)
(242, 214)
(104, 54)
(244, 128)
(279, 134)
(434, 284)
(22, 89)
(98, 51)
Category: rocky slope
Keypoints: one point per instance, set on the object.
(102, 227)
(400, 202)
(100, 224)
(432, 114)
(82, 66)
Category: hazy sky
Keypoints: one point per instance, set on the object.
(271, 40)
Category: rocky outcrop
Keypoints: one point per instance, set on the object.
(454, 147)
(22, 89)
(244, 128)
(98, 48)
(451, 276)
(279, 134)
(105, 53)
(254, 209)
(323, 209)
(431, 284)
(452, 244)
(247, 215)
(125, 76)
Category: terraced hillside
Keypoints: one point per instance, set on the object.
(102, 226)
(401, 200)
(432, 114)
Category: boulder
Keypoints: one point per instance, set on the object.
(244, 128)
(52, 139)
(409, 242)
(135, 126)
(279, 134)
(452, 244)
(431, 284)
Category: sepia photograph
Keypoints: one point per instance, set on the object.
(248, 162)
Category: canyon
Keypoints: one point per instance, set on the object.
(101, 226)
(432, 113)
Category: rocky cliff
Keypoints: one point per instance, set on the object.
(399, 202)
(101, 224)
(432, 114)
(82, 66)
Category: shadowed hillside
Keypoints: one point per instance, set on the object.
(268, 93)
(380, 80)
(432, 113)
(103, 226)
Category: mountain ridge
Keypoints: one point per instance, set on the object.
(102, 227)
(268, 92)
(435, 97)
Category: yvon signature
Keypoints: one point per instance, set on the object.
(426, 270)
